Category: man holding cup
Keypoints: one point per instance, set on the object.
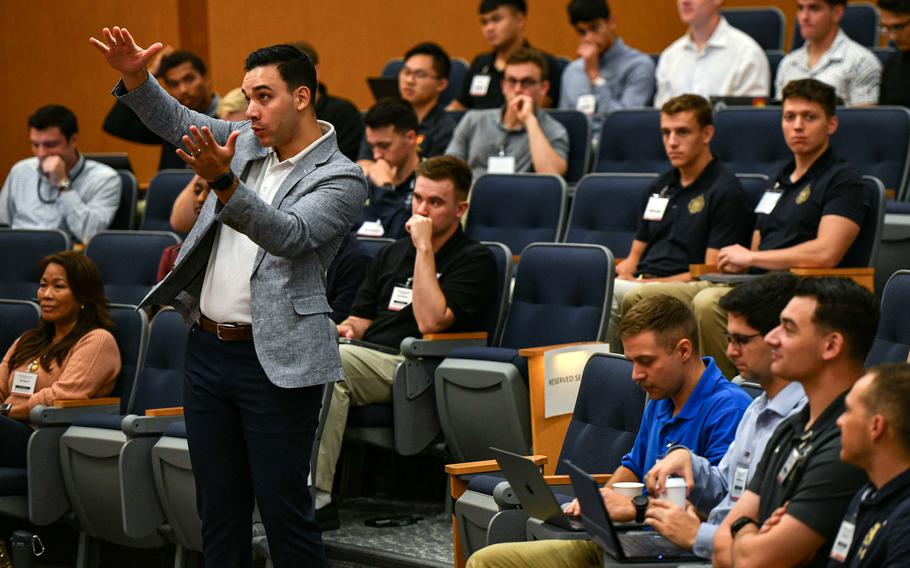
(753, 309)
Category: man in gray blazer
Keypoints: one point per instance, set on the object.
(251, 276)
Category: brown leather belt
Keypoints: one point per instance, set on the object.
(227, 331)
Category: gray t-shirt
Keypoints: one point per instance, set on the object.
(481, 134)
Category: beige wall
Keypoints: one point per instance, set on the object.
(46, 57)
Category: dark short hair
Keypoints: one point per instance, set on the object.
(696, 104)
(896, 6)
(845, 307)
(294, 66)
(54, 115)
(668, 318)
(588, 11)
(487, 6)
(450, 168)
(176, 58)
(442, 64)
(834, 3)
(889, 395)
(761, 301)
(394, 112)
(308, 49)
(530, 55)
(813, 91)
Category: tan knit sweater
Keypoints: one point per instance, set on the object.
(88, 371)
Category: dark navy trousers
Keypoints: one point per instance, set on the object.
(249, 438)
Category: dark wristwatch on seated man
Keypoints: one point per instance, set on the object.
(222, 182)
(5, 408)
(641, 506)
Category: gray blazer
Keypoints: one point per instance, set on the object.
(298, 235)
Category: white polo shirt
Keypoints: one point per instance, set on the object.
(226, 288)
(730, 64)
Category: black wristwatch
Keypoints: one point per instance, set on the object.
(641, 505)
(740, 523)
(222, 182)
(5, 408)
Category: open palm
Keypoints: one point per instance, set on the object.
(122, 53)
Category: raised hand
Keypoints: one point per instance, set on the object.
(122, 53)
(206, 156)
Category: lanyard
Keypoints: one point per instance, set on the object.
(54, 200)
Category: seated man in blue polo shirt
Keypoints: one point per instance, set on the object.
(691, 404)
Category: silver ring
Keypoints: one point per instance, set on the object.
(113, 44)
(197, 153)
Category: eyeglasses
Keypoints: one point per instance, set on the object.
(525, 83)
(418, 74)
(738, 340)
(894, 28)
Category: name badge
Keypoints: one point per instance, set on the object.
(480, 84)
(501, 165)
(371, 229)
(24, 383)
(656, 208)
(842, 543)
(785, 471)
(586, 104)
(768, 201)
(401, 298)
(739, 482)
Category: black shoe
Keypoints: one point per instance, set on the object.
(327, 517)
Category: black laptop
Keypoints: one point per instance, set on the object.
(532, 491)
(384, 87)
(632, 546)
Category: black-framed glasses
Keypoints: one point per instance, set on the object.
(894, 28)
(418, 74)
(525, 83)
(738, 340)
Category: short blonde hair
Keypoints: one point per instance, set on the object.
(234, 101)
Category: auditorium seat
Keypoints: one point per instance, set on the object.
(374, 244)
(126, 211)
(631, 143)
(765, 24)
(606, 209)
(579, 129)
(892, 339)
(754, 185)
(877, 141)
(774, 58)
(159, 199)
(604, 424)
(517, 209)
(750, 140)
(128, 261)
(20, 252)
(894, 243)
(562, 295)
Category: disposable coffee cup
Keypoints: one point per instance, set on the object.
(676, 491)
(629, 488)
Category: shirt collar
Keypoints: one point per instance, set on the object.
(718, 38)
(327, 131)
(705, 178)
(77, 167)
(614, 51)
(706, 385)
(789, 397)
(825, 420)
(837, 51)
(434, 115)
(896, 485)
(818, 166)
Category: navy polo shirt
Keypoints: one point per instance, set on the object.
(391, 207)
(712, 212)
(882, 518)
(830, 187)
(706, 424)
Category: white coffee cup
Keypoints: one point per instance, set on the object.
(676, 491)
(629, 488)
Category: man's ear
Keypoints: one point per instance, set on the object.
(303, 97)
(74, 139)
(461, 208)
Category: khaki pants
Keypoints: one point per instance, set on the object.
(703, 298)
(620, 289)
(539, 554)
(368, 378)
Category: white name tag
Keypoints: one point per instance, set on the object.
(401, 298)
(24, 383)
(739, 482)
(768, 201)
(784, 472)
(371, 229)
(480, 84)
(501, 165)
(842, 543)
(586, 104)
(656, 208)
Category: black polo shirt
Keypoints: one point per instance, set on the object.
(344, 116)
(712, 212)
(485, 64)
(391, 207)
(882, 525)
(895, 87)
(830, 187)
(433, 135)
(467, 276)
(820, 486)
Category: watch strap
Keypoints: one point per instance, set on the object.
(741, 523)
(222, 182)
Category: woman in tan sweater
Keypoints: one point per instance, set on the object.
(70, 355)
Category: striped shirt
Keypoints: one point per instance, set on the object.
(853, 71)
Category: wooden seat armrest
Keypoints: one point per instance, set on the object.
(564, 479)
(538, 351)
(485, 466)
(85, 402)
(455, 336)
(169, 411)
(696, 271)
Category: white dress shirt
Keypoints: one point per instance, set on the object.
(226, 288)
(853, 71)
(730, 64)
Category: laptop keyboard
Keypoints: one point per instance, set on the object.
(648, 544)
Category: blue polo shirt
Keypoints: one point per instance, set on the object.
(706, 424)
